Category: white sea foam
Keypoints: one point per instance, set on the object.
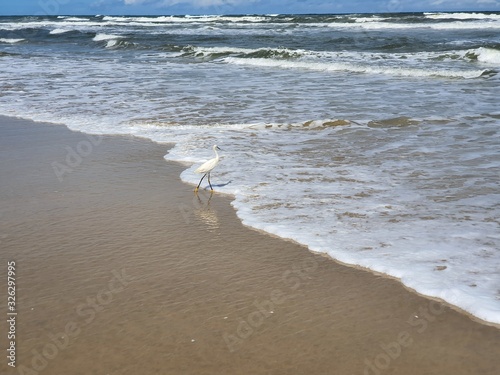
(49, 24)
(76, 19)
(59, 31)
(454, 25)
(416, 64)
(357, 68)
(278, 52)
(487, 55)
(463, 16)
(101, 37)
(243, 24)
(186, 19)
(11, 40)
(370, 19)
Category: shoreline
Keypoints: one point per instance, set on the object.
(177, 284)
(378, 274)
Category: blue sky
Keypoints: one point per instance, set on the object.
(193, 7)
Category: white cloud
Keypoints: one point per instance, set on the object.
(192, 3)
(487, 2)
(206, 3)
(464, 3)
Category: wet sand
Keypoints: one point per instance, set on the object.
(121, 269)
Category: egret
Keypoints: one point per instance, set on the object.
(207, 167)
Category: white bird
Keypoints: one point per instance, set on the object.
(207, 167)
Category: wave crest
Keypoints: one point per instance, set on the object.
(485, 55)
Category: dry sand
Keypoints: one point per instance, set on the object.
(121, 269)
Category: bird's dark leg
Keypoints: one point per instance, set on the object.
(197, 187)
(209, 182)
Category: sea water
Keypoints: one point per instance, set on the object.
(373, 138)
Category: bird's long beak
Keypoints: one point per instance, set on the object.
(218, 148)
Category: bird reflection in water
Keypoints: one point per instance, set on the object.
(203, 210)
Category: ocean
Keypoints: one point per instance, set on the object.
(373, 138)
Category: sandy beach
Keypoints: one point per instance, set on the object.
(121, 269)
